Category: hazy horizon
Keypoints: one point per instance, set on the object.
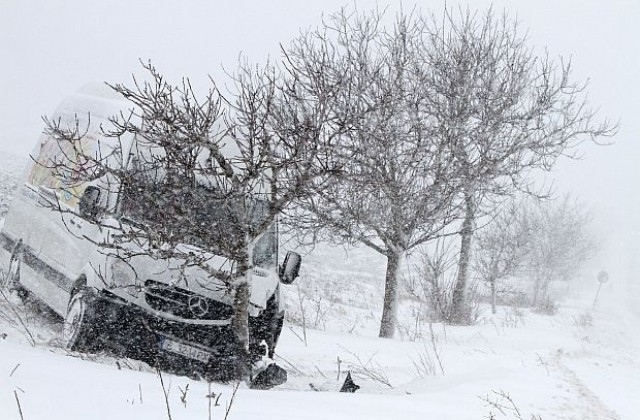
(52, 49)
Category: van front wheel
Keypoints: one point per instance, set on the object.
(79, 329)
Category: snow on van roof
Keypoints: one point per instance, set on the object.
(100, 89)
(96, 99)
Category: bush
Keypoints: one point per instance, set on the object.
(583, 320)
(546, 306)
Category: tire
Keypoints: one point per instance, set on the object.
(79, 331)
(267, 327)
(277, 330)
(11, 278)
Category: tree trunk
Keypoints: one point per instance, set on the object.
(458, 315)
(390, 306)
(541, 290)
(536, 289)
(240, 320)
(492, 281)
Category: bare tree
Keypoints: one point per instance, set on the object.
(394, 189)
(207, 172)
(503, 109)
(539, 241)
(501, 246)
(559, 243)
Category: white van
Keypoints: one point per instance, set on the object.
(52, 255)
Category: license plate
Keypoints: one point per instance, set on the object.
(184, 350)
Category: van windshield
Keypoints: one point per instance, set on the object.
(196, 216)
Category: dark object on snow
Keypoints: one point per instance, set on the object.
(272, 375)
(349, 385)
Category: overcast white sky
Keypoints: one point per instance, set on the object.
(49, 49)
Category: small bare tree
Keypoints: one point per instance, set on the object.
(558, 244)
(207, 172)
(501, 247)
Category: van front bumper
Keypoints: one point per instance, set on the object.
(156, 340)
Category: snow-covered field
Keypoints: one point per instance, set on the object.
(581, 363)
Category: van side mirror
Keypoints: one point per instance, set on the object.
(89, 204)
(290, 267)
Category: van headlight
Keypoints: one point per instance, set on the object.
(123, 275)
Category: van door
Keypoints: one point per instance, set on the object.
(84, 227)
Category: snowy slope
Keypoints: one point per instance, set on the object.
(549, 366)
(579, 364)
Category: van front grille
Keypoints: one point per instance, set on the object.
(183, 303)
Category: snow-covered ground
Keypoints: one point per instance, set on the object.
(581, 363)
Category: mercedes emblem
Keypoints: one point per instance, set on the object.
(198, 306)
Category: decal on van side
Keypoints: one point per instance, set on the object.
(51, 153)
